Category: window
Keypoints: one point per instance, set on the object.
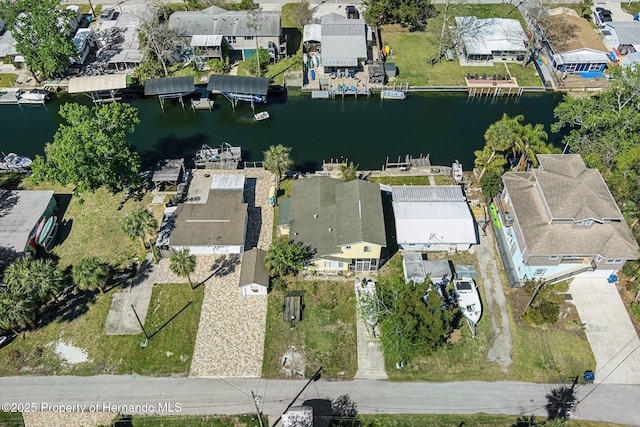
(333, 264)
(248, 37)
(539, 272)
(255, 288)
(614, 261)
(553, 257)
(367, 248)
(599, 258)
(231, 39)
(348, 247)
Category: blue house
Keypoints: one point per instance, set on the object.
(560, 221)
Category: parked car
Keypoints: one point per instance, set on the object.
(602, 16)
(352, 12)
(108, 14)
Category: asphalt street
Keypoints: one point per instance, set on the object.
(147, 395)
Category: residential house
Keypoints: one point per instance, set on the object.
(254, 277)
(433, 218)
(21, 214)
(118, 43)
(560, 221)
(341, 221)
(622, 36)
(344, 43)
(213, 30)
(213, 219)
(570, 44)
(492, 39)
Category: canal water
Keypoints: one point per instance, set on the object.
(366, 131)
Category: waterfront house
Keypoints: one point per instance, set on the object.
(341, 221)
(118, 43)
(560, 221)
(433, 218)
(213, 219)
(343, 44)
(213, 30)
(570, 44)
(254, 277)
(492, 39)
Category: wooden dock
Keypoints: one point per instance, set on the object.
(492, 86)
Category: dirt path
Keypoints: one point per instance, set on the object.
(495, 304)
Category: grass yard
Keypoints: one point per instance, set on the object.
(168, 352)
(326, 336)
(556, 354)
(193, 421)
(11, 419)
(8, 79)
(412, 51)
(476, 420)
(401, 180)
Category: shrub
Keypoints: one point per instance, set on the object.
(635, 308)
(278, 284)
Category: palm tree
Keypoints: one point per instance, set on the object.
(349, 172)
(182, 263)
(90, 273)
(277, 160)
(139, 223)
(534, 141)
(16, 312)
(39, 279)
(499, 137)
(489, 161)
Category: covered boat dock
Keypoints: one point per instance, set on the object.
(240, 88)
(100, 89)
(170, 87)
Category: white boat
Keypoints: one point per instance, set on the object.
(393, 94)
(456, 171)
(13, 162)
(35, 96)
(262, 115)
(468, 299)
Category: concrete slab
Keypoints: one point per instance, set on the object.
(370, 358)
(614, 341)
(121, 319)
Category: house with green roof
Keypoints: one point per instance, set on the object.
(342, 221)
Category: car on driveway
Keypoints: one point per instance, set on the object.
(602, 16)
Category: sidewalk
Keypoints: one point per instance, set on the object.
(370, 358)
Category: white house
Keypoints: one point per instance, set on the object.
(213, 220)
(625, 36)
(493, 39)
(433, 218)
(254, 277)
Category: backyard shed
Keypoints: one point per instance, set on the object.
(21, 212)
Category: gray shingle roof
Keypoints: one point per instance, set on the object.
(326, 213)
(566, 189)
(344, 41)
(219, 222)
(253, 269)
(226, 23)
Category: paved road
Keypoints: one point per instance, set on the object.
(233, 396)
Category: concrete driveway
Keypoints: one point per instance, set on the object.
(617, 13)
(614, 341)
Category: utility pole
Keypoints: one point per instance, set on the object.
(255, 402)
(93, 11)
(314, 377)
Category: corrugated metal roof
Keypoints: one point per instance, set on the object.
(227, 182)
(239, 84)
(21, 212)
(169, 85)
(427, 193)
(434, 223)
(312, 32)
(98, 83)
(201, 40)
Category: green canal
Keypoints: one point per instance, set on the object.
(366, 131)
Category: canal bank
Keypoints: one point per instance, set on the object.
(366, 130)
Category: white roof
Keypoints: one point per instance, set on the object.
(434, 223)
(312, 32)
(631, 59)
(581, 56)
(485, 36)
(21, 215)
(97, 83)
(227, 182)
(344, 41)
(628, 33)
(203, 40)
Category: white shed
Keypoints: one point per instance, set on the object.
(254, 277)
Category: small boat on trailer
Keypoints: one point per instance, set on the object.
(262, 115)
(456, 172)
(468, 299)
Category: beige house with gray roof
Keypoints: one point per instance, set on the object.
(341, 221)
(560, 221)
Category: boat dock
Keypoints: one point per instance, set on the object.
(492, 86)
(13, 97)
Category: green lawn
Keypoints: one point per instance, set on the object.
(539, 355)
(195, 421)
(326, 335)
(7, 80)
(476, 420)
(401, 180)
(11, 419)
(169, 351)
(412, 51)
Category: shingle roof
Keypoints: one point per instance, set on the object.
(326, 213)
(219, 222)
(253, 269)
(566, 188)
(344, 40)
(225, 23)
